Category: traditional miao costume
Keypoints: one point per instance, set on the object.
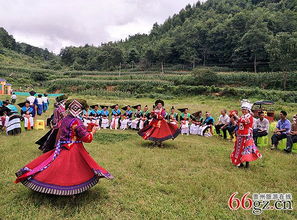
(145, 119)
(95, 115)
(137, 117)
(2, 122)
(45, 103)
(159, 129)
(197, 121)
(172, 117)
(13, 124)
(48, 141)
(3, 117)
(126, 118)
(86, 117)
(115, 117)
(104, 122)
(194, 128)
(13, 108)
(26, 113)
(68, 169)
(39, 104)
(185, 119)
(245, 149)
(206, 125)
(32, 101)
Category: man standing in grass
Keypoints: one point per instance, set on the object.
(260, 127)
(13, 98)
(283, 128)
(292, 136)
(45, 102)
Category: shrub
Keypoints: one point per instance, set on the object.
(205, 77)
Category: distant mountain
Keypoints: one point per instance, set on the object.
(228, 33)
(8, 42)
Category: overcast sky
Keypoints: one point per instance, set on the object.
(54, 24)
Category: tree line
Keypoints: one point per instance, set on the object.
(252, 35)
(7, 41)
(239, 34)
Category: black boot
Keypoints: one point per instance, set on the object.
(241, 165)
(247, 164)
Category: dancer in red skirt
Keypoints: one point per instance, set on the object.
(245, 149)
(48, 141)
(68, 169)
(159, 129)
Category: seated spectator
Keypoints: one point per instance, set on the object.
(232, 126)
(13, 123)
(185, 119)
(206, 125)
(222, 124)
(26, 112)
(261, 126)
(196, 122)
(292, 136)
(283, 128)
(10, 106)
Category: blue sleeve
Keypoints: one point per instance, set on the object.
(35, 101)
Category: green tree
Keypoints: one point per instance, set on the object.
(163, 50)
(255, 40)
(282, 51)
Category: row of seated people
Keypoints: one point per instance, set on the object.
(10, 119)
(284, 129)
(116, 119)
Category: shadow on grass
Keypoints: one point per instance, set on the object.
(95, 196)
(165, 145)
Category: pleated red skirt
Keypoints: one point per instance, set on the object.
(159, 130)
(70, 172)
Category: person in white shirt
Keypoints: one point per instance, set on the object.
(45, 102)
(222, 124)
(39, 104)
(261, 126)
(13, 98)
(32, 101)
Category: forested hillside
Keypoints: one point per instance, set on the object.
(239, 34)
(8, 42)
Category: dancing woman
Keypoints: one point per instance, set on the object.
(48, 141)
(68, 169)
(159, 129)
(245, 149)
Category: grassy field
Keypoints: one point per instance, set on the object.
(190, 178)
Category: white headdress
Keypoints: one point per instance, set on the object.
(246, 104)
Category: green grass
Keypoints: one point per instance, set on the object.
(190, 178)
